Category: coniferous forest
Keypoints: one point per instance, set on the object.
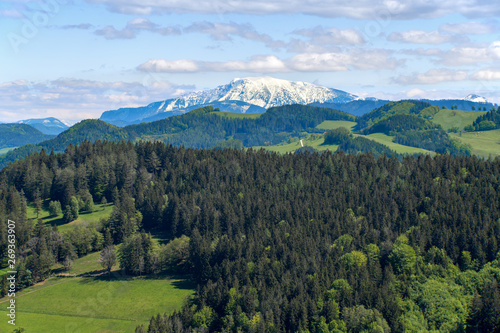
(278, 243)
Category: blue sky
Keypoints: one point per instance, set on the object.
(75, 59)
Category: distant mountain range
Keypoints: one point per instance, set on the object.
(49, 125)
(257, 94)
(247, 95)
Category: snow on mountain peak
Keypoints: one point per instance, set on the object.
(265, 92)
(476, 98)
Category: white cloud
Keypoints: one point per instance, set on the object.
(412, 93)
(423, 37)
(257, 64)
(331, 36)
(110, 32)
(135, 26)
(470, 54)
(486, 75)
(357, 9)
(320, 62)
(303, 62)
(469, 28)
(82, 26)
(432, 76)
(169, 66)
(73, 99)
(11, 13)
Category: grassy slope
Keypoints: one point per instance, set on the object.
(316, 141)
(333, 124)
(401, 149)
(483, 144)
(450, 118)
(95, 303)
(101, 211)
(88, 301)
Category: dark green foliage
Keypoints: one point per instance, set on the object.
(305, 150)
(136, 254)
(202, 128)
(399, 123)
(91, 130)
(486, 122)
(15, 135)
(360, 145)
(389, 109)
(55, 208)
(337, 136)
(282, 243)
(436, 140)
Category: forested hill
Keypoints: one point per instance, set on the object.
(395, 108)
(90, 129)
(284, 243)
(201, 128)
(15, 135)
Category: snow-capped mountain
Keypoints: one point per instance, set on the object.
(253, 94)
(49, 125)
(476, 98)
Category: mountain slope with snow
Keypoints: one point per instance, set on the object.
(49, 125)
(476, 98)
(255, 94)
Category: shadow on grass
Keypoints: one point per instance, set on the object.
(177, 281)
(57, 222)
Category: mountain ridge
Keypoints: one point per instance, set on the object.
(50, 125)
(259, 93)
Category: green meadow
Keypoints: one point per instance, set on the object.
(91, 301)
(95, 304)
(455, 118)
(86, 299)
(401, 149)
(100, 212)
(484, 144)
(333, 124)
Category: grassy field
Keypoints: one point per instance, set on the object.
(101, 211)
(6, 150)
(401, 149)
(238, 115)
(314, 140)
(94, 303)
(333, 124)
(455, 118)
(483, 144)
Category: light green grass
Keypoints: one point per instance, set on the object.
(90, 301)
(333, 124)
(401, 149)
(314, 140)
(100, 212)
(6, 150)
(96, 304)
(44, 323)
(87, 264)
(455, 118)
(483, 144)
(238, 115)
